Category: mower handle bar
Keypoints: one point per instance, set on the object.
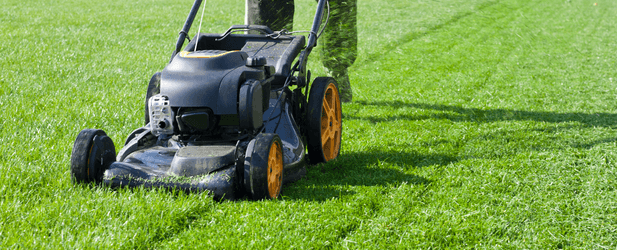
(187, 26)
(261, 28)
(312, 37)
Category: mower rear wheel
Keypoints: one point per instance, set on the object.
(154, 88)
(93, 152)
(263, 167)
(324, 121)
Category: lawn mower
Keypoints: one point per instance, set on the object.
(231, 114)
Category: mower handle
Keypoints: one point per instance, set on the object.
(312, 37)
(261, 28)
(187, 26)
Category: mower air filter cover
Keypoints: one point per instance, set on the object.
(250, 105)
(198, 120)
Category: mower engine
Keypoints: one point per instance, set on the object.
(211, 93)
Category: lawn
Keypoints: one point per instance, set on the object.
(475, 124)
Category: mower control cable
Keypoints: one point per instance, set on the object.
(199, 28)
(285, 32)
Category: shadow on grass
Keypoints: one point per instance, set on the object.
(369, 168)
(459, 114)
(594, 143)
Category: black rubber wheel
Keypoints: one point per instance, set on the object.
(92, 154)
(324, 121)
(154, 88)
(263, 167)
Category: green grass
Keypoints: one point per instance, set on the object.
(475, 124)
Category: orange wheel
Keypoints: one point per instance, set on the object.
(275, 169)
(325, 122)
(263, 167)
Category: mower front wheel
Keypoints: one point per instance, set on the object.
(324, 121)
(263, 167)
(93, 152)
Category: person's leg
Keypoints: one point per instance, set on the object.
(340, 42)
(276, 14)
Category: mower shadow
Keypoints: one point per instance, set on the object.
(355, 169)
(459, 114)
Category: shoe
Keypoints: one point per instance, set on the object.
(343, 85)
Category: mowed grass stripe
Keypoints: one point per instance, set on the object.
(405, 221)
(516, 136)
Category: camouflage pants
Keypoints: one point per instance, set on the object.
(339, 41)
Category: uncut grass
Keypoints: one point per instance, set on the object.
(475, 124)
